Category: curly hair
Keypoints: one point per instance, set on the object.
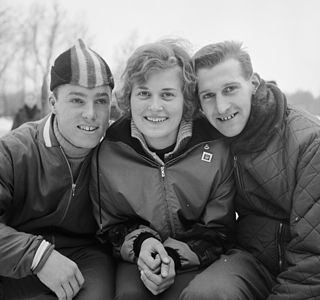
(154, 57)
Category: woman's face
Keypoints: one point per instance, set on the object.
(157, 107)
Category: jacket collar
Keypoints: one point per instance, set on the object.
(202, 131)
(184, 134)
(268, 112)
(48, 135)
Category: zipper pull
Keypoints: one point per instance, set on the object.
(235, 161)
(162, 172)
(73, 188)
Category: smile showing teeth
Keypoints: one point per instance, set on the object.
(155, 120)
(227, 117)
(87, 128)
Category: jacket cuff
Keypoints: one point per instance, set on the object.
(139, 240)
(43, 259)
(175, 256)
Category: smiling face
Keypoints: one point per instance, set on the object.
(157, 107)
(82, 114)
(225, 96)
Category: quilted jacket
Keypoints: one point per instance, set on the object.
(185, 201)
(277, 166)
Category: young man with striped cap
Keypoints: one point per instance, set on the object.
(48, 248)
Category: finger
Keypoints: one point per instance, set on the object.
(79, 277)
(156, 279)
(165, 270)
(148, 284)
(141, 264)
(163, 254)
(150, 262)
(74, 286)
(61, 295)
(68, 291)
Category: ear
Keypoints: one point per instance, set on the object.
(255, 81)
(52, 103)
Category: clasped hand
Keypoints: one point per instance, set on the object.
(156, 266)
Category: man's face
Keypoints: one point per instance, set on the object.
(82, 114)
(225, 96)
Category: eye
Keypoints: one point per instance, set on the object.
(229, 89)
(76, 100)
(102, 101)
(207, 96)
(143, 94)
(167, 96)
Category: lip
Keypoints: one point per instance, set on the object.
(88, 128)
(156, 120)
(227, 117)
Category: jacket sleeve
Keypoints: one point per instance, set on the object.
(213, 234)
(301, 276)
(17, 249)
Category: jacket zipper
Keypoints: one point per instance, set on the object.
(163, 175)
(238, 176)
(280, 251)
(73, 186)
(162, 172)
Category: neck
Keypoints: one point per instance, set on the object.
(70, 150)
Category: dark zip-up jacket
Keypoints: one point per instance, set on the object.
(277, 169)
(39, 198)
(185, 201)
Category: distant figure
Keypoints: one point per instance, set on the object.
(28, 112)
(115, 113)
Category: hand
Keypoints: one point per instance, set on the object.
(153, 257)
(156, 283)
(61, 275)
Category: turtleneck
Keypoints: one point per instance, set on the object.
(75, 155)
(268, 107)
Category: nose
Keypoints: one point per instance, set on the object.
(156, 104)
(222, 104)
(89, 112)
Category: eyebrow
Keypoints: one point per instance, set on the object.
(223, 86)
(204, 91)
(146, 88)
(76, 94)
(101, 94)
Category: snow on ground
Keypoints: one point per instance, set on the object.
(5, 125)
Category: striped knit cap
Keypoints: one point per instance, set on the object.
(80, 66)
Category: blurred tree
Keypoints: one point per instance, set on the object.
(29, 41)
(8, 41)
(123, 52)
(50, 31)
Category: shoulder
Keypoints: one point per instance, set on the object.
(302, 127)
(21, 139)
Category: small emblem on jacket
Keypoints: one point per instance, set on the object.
(206, 156)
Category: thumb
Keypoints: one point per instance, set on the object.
(163, 254)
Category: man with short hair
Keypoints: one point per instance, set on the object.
(276, 150)
(48, 248)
